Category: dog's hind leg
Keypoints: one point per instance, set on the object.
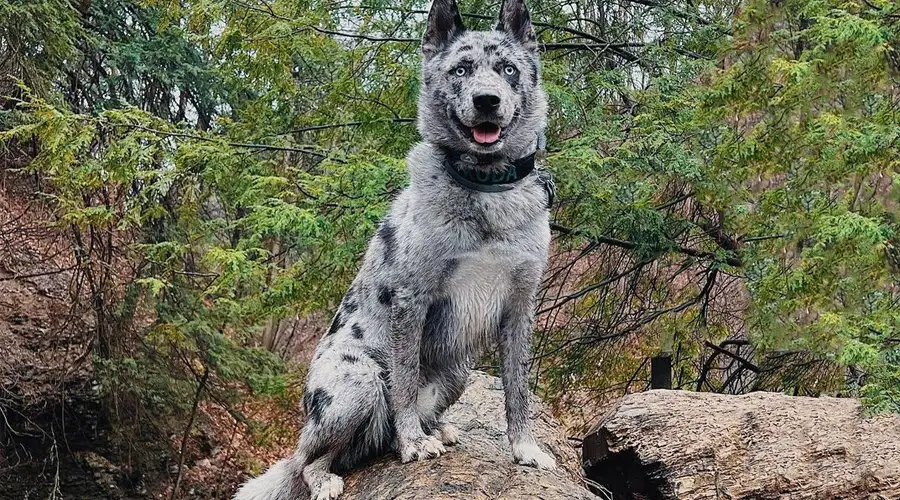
(323, 439)
(323, 484)
(339, 403)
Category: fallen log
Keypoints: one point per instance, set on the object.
(688, 445)
(480, 466)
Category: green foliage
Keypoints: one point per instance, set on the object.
(196, 217)
(38, 38)
(812, 117)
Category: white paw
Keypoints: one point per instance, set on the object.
(528, 453)
(447, 434)
(421, 449)
(329, 489)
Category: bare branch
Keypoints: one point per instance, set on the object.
(267, 147)
(313, 128)
(628, 245)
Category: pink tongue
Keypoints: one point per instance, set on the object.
(483, 136)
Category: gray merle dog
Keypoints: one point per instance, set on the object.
(454, 266)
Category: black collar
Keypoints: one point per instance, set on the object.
(464, 169)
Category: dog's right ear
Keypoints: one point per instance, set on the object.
(444, 24)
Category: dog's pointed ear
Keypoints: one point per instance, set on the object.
(515, 20)
(444, 23)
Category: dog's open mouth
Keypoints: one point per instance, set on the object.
(486, 133)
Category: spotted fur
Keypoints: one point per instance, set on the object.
(449, 272)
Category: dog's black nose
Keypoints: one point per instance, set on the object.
(486, 103)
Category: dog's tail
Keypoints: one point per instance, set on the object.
(282, 481)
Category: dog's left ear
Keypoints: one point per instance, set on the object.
(514, 19)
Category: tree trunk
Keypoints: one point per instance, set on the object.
(480, 466)
(668, 444)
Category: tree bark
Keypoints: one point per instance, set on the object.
(480, 466)
(688, 445)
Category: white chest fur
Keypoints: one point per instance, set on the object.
(478, 290)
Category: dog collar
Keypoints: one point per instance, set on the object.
(463, 168)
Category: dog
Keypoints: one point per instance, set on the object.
(453, 267)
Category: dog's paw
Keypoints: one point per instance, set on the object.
(528, 453)
(331, 487)
(421, 449)
(447, 434)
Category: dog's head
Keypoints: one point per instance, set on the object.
(481, 90)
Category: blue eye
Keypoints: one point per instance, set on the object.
(460, 71)
(509, 70)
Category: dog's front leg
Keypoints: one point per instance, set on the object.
(515, 348)
(407, 321)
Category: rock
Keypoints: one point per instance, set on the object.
(480, 466)
(105, 473)
(667, 444)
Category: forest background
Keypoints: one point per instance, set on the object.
(187, 186)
